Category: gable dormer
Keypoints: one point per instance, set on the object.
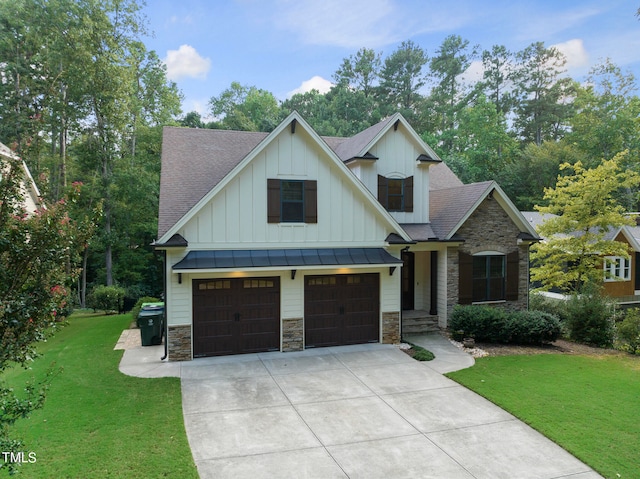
(393, 163)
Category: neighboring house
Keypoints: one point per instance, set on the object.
(287, 240)
(620, 276)
(30, 194)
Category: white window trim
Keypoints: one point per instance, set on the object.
(617, 268)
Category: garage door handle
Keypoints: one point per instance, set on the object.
(236, 317)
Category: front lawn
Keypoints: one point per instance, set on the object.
(97, 422)
(590, 405)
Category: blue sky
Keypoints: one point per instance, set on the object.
(285, 46)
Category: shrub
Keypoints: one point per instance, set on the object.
(495, 325)
(557, 307)
(479, 322)
(106, 298)
(145, 299)
(629, 331)
(589, 319)
(532, 327)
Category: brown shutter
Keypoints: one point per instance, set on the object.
(273, 200)
(408, 194)
(382, 192)
(513, 276)
(465, 278)
(310, 201)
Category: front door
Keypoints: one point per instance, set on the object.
(408, 280)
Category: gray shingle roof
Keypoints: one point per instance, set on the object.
(193, 162)
(447, 207)
(353, 146)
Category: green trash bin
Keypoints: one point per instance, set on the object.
(151, 323)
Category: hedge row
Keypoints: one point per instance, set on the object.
(495, 325)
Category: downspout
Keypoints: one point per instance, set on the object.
(164, 294)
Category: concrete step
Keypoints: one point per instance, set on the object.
(412, 324)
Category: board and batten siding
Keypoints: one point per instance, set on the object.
(236, 216)
(397, 154)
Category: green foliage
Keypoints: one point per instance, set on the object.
(556, 307)
(106, 298)
(531, 327)
(421, 354)
(582, 209)
(145, 299)
(628, 331)
(484, 323)
(590, 319)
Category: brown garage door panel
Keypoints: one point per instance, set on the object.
(234, 316)
(342, 309)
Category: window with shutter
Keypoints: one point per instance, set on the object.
(292, 201)
(396, 194)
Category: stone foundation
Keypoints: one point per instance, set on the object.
(292, 335)
(391, 327)
(179, 343)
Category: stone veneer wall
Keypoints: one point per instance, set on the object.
(292, 335)
(391, 327)
(179, 343)
(489, 228)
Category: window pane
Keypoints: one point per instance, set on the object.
(395, 194)
(395, 187)
(480, 267)
(292, 212)
(496, 266)
(395, 203)
(292, 190)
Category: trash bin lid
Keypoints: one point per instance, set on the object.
(146, 306)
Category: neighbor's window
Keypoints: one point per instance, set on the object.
(488, 277)
(617, 268)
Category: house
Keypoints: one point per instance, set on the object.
(288, 240)
(30, 195)
(620, 276)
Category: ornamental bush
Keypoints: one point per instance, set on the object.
(629, 331)
(590, 319)
(484, 323)
(106, 298)
(481, 323)
(531, 327)
(138, 306)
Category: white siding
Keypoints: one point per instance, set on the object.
(236, 217)
(397, 153)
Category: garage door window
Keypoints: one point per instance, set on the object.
(322, 281)
(257, 283)
(222, 284)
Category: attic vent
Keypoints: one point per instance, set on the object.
(395, 125)
(293, 126)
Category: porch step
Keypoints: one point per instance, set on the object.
(419, 322)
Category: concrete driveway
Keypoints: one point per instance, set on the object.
(363, 411)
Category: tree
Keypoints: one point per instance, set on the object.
(34, 285)
(449, 95)
(246, 108)
(401, 78)
(544, 97)
(584, 202)
(360, 71)
(497, 80)
(606, 116)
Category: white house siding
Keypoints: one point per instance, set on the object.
(236, 217)
(397, 154)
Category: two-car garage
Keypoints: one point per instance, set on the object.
(242, 315)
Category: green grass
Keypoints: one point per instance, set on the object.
(589, 405)
(97, 422)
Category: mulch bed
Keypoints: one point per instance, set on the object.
(558, 347)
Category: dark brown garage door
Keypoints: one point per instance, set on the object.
(341, 309)
(235, 316)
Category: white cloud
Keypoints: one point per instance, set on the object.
(575, 53)
(358, 23)
(314, 83)
(186, 62)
